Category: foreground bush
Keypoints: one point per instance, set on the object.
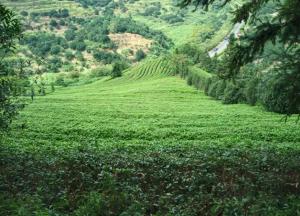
(144, 181)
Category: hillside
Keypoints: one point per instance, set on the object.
(71, 36)
(147, 144)
(115, 108)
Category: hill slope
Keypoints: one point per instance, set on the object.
(148, 145)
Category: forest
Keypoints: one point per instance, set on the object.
(135, 107)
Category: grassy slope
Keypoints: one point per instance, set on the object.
(188, 31)
(145, 109)
(45, 5)
(148, 143)
(180, 33)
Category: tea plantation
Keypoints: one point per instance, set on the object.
(148, 144)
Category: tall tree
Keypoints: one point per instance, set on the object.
(10, 30)
(282, 26)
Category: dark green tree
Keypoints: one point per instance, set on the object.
(118, 68)
(10, 30)
(282, 26)
(140, 54)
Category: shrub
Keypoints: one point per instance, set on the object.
(53, 23)
(172, 18)
(232, 94)
(55, 50)
(100, 72)
(78, 45)
(221, 86)
(207, 85)
(106, 57)
(278, 95)
(60, 81)
(212, 90)
(54, 64)
(69, 55)
(250, 91)
(70, 34)
(140, 54)
(74, 74)
(152, 10)
(118, 67)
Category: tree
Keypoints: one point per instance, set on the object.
(70, 34)
(53, 23)
(282, 26)
(10, 30)
(55, 50)
(140, 54)
(118, 67)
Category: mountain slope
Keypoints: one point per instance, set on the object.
(148, 144)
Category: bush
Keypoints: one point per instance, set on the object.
(100, 72)
(250, 91)
(221, 86)
(212, 90)
(74, 74)
(207, 85)
(278, 95)
(70, 34)
(60, 81)
(53, 23)
(172, 18)
(140, 54)
(232, 94)
(118, 67)
(106, 57)
(78, 45)
(55, 50)
(152, 10)
(55, 64)
(69, 55)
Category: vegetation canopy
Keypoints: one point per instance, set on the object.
(281, 26)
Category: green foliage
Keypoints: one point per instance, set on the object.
(69, 55)
(277, 25)
(118, 68)
(139, 55)
(60, 81)
(277, 94)
(10, 29)
(55, 63)
(40, 44)
(78, 45)
(146, 143)
(70, 34)
(53, 23)
(232, 94)
(95, 3)
(55, 50)
(153, 10)
(100, 72)
(105, 57)
(172, 18)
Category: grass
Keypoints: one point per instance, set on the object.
(44, 5)
(148, 144)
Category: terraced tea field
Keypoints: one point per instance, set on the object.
(45, 5)
(147, 143)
